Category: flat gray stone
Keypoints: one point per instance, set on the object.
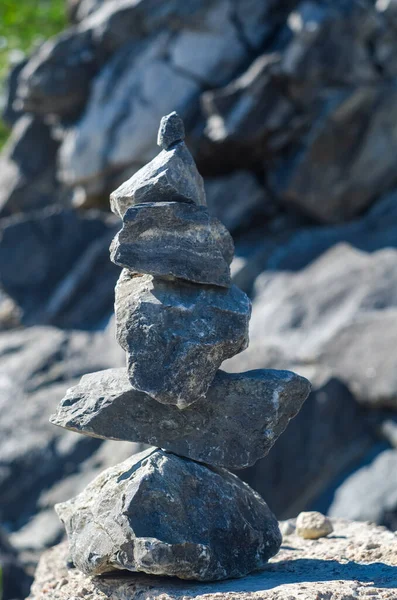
(172, 176)
(171, 131)
(177, 334)
(166, 515)
(174, 239)
(235, 425)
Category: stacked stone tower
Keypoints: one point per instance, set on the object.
(175, 509)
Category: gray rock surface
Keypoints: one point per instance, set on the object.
(37, 365)
(236, 199)
(15, 582)
(174, 239)
(171, 131)
(166, 515)
(315, 321)
(62, 263)
(176, 335)
(370, 493)
(302, 569)
(236, 424)
(170, 177)
(28, 178)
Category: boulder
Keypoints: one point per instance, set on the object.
(236, 199)
(327, 176)
(62, 263)
(370, 493)
(28, 177)
(314, 569)
(231, 533)
(174, 240)
(57, 77)
(176, 334)
(236, 424)
(15, 581)
(248, 118)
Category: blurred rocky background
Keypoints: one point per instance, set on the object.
(291, 114)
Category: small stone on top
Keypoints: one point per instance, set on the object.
(171, 131)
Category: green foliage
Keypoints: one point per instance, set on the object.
(23, 25)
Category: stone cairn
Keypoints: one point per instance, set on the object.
(175, 509)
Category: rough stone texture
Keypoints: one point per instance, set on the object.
(370, 493)
(177, 334)
(358, 561)
(174, 239)
(172, 176)
(171, 131)
(313, 525)
(61, 265)
(236, 424)
(166, 515)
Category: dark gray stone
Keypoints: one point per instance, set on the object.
(166, 515)
(62, 262)
(236, 199)
(57, 77)
(176, 334)
(171, 176)
(236, 424)
(361, 354)
(327, 176)
(171, 131)
(247, 119)
(15, 581)
(174, 239)
(28, 178)
(370, 493)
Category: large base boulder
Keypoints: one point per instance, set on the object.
(166, 515)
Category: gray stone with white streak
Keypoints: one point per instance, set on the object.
(235, 425)
(174, 239)
(172, 176)
(177, 334)
(166, 515)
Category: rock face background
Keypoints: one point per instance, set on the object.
(290, 112)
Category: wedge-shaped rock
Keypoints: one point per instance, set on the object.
(177, 334)
(174, 239)
(235, 425)
(170, 177)
(166, 515)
